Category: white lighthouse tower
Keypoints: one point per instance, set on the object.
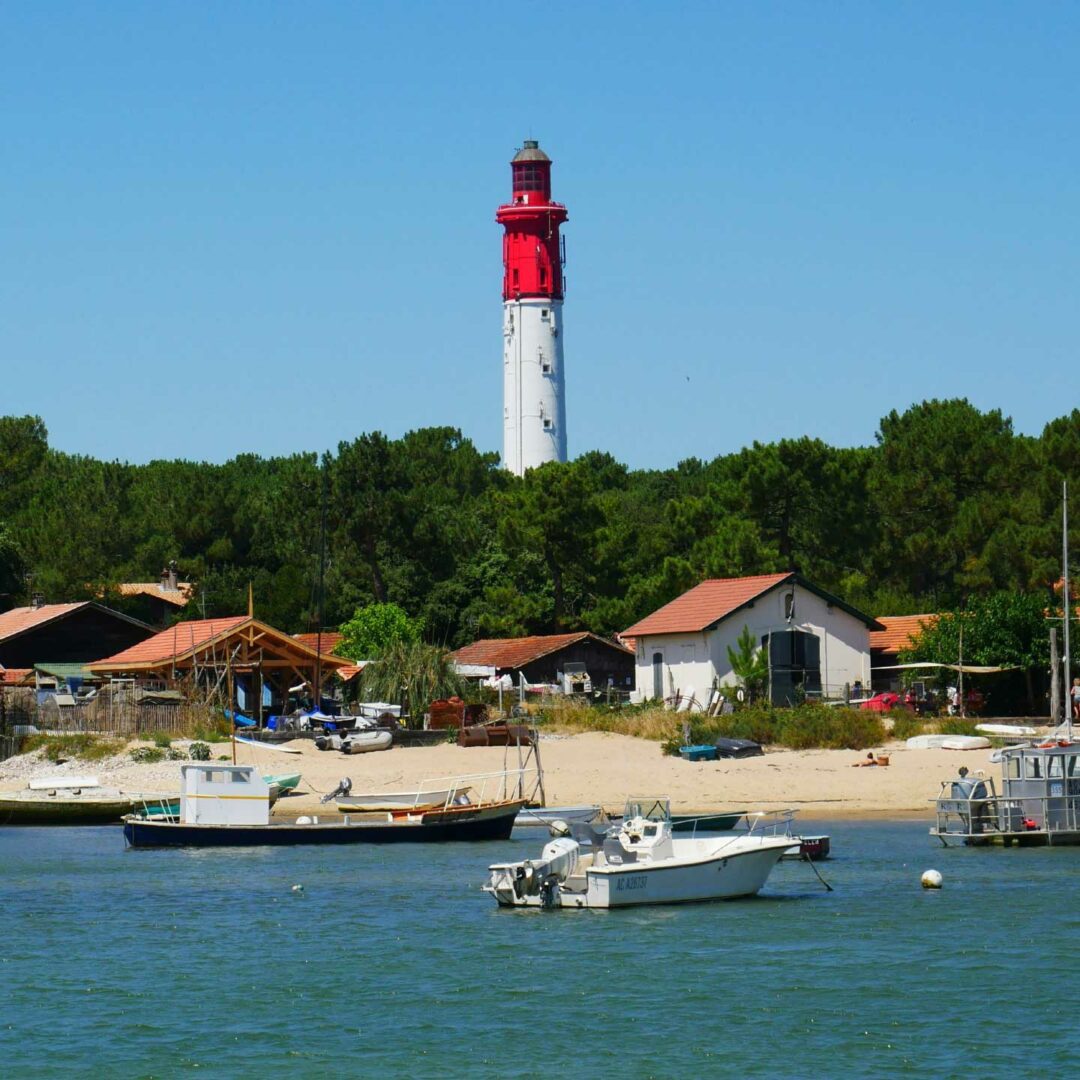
(534, 397)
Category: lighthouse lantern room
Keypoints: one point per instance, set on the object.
(534, 401)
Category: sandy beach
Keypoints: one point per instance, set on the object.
(585, 768)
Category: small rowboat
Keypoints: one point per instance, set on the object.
(390, 801)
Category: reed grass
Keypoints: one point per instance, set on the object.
(60, 748)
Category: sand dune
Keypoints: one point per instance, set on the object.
(589, 768)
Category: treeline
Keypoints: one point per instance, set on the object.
(950, 504)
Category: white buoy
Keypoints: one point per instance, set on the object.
(931, 879)
(298, 888)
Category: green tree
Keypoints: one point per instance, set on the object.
(374, 628)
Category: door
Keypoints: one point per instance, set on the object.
(658, 675)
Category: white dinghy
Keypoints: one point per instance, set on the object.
(640, 862)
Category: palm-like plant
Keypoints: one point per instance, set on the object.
(750, 663)
(421, 673)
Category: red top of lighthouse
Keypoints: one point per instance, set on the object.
(533, 255)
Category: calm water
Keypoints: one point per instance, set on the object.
(140, 964)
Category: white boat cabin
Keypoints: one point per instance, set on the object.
(214, 794)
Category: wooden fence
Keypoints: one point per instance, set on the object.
(119, 713)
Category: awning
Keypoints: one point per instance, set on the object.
(967, 669)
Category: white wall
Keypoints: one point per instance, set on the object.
(533, 384)
(845, 645)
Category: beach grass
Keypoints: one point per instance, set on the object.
(60, 748)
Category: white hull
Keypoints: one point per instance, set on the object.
(966, 742)
(719, 869)
(365, 742)
(548, 815)
(396, 800)
(1009, 731)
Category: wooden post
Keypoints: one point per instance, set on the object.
(1055, 677)
(230, 711)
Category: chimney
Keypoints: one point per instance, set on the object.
(168, 577)
(37, 600)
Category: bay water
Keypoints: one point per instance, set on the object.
(391, 962)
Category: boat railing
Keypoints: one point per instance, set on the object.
(754, 823)
(158, 807)
(486, 788)
(1004, 815)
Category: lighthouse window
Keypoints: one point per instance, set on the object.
(548, 425)
(544, 314)
(515, 279)
(545, 366)
(528, 177)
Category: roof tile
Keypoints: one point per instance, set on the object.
(20, 619)
(899, 633)
(516, 652)
(705, 604)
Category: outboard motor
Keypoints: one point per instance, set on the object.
(343, 788)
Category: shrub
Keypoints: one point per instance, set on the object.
(146, 755)
(957, 725)
(803, 727)
(906, 724)
(199, 751)
(172, 754)
(215, 732)
(60, 748)
(161, 739)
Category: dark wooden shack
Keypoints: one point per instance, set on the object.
(543, 658)
(66, 633)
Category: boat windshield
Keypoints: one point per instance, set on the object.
(650, 807)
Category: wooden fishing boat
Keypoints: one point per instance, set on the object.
(74, 800)
(229, 806)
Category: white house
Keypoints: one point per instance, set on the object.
(817, 644)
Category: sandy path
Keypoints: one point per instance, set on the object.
(586, 768)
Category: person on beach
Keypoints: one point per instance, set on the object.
(1076, 699)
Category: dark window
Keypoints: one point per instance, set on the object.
(528, 177)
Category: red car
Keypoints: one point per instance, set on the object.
(886, 701)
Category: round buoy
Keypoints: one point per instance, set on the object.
(298, 888)
(559, 828)
(931, 879)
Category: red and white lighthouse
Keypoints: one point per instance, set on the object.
(534, 400)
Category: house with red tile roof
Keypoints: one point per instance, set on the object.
(898, 632)
(65, 633)
(818, 645)
(542, 658)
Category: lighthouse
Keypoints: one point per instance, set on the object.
(534, 398)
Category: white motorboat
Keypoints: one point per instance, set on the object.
(641, 862)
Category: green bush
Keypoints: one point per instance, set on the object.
(199, 751)
(803, 727)
(906, 724)
(172, 754)
(161, 739)
(59, 748)
(216, 732)
(146, 755)
(957, 725)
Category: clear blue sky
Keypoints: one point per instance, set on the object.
(268, 227)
